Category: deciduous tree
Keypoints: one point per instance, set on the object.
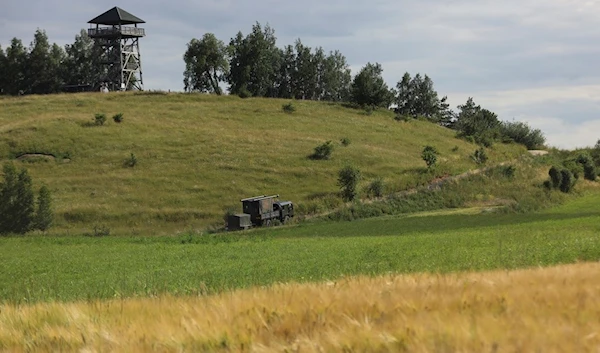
(369, 88)
(206, 65)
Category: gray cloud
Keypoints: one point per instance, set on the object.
(527, 59)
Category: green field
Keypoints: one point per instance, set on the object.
(198, 155)
(78, 268)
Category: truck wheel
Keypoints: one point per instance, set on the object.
(286, 219)
(268, 223)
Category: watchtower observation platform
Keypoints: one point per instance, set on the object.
(117, 34)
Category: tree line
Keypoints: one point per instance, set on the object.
(44, 68)
(253, 65)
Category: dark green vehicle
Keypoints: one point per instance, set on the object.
(261, 211)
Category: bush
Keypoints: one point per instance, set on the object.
(244, 93)
(288, 108)
(345, 142)
(590, 172)
(555, 177)
(99, 119)
(403, 117)
(589, 167)
(348, 178)
(509, 171)
(43, 216)
(131, 161)
(429, 155)
(323, 151)
(522, 133)
(117, 118)
(376, 188)
(480, 156)
(567, 181)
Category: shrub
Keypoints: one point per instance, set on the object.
(348, 178)
(288, 108)
(345, 142)
(589, 168)
(455, 149)
(99, 119)
(522, 133)
(429, 155)
(567, 181)
(376, 188)
(509, 171)
(403, 117)
(131, 161)
(244, 93)
(117, 118)
(43, 216)
(480, 156)
(590, 172)
(555, 177)
(323, 151)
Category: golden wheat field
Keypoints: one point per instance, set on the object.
(536, 310)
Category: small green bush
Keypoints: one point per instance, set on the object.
(509, 171)
(522, 133)
(567, 181)
(244, 93)
(288, 108)
(402, 117)
(376, 188)
(429, 155)
(348, 179)
(43, 216)
(480, 156)
(590, 172)
(555, 177)
(345, 142)
(118, 118)
(323, 151)
(99, 119)
(131, 161)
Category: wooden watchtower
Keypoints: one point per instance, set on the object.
(119, 41)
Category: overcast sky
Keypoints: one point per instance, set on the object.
(536, 61)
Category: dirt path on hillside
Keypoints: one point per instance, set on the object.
(435, 184)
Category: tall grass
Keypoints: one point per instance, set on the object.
(537, 310)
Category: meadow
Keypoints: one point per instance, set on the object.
(198, 155)
(46, 268)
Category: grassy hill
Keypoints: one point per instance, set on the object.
(198, 155)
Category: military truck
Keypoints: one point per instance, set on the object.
(261, 211)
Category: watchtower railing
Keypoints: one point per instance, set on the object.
(114, 31)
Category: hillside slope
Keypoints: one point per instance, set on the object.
(197, 155)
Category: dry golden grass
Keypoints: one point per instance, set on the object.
(536, 310)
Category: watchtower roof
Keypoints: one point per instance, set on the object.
(116, 16)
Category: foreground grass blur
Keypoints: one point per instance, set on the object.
(536, 310)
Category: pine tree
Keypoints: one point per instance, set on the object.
(24, 204)
(43, 215)
(16, 201)
(7, 197)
